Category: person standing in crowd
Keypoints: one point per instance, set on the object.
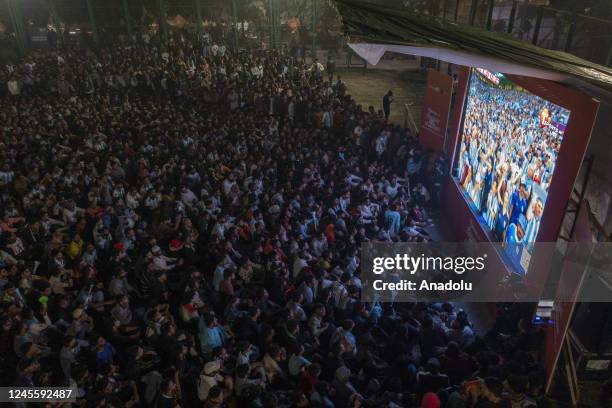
(387, 100)
(331, 67)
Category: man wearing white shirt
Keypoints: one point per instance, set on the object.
(152, 200)
(255, 71)
(381, 144)
(13, 87)
(319, 244)
(345, 201)
(219, 230)
(328, 118)
(161, 262)
(366, 215)
(228, 184)
(70, 213)
(6, 175)
(188, 197)
(353, 180)
(300, 263)
(392, 188)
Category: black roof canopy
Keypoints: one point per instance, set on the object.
(368, 22)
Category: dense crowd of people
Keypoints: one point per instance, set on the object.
(181, 227)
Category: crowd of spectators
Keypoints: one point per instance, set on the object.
(181, 227)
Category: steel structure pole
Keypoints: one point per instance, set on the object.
(198, 7)
(271, 18)
(55, 20)
(490, 14)
(473, 9)
(277, 34)
(162, 19)
(570, 34)
(274, 23)
(538, 26)
(92, 21)
(457, 10)
(126, 16)
(16, 17)
(314, 29)
(235, 23)
(512, 17)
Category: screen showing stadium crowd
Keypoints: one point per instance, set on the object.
(509, 148)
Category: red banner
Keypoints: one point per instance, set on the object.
(436, 106)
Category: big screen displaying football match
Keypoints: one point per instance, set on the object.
(509, 147)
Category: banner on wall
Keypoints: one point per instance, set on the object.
(435, 110)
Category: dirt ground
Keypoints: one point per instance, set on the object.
(369, 86)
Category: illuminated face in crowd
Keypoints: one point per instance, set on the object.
(537, 209)
(544, 118)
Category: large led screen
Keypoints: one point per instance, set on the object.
(510, 143)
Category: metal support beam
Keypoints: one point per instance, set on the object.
(456, 10)
(588, 162)
(55, 20)
(609, 59)
(162, 19)
(432, 9)
(314, 28)
(490, 14)
(274, 23)
(570, 34)
(128, 21)
(473, 9)
(235, 23)
(21, 40)
(512, 16)
(277, 31)
(92, 21)
(271, 18)
(24, 30)
(444, 4)
(198, 7)
(538, 25)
